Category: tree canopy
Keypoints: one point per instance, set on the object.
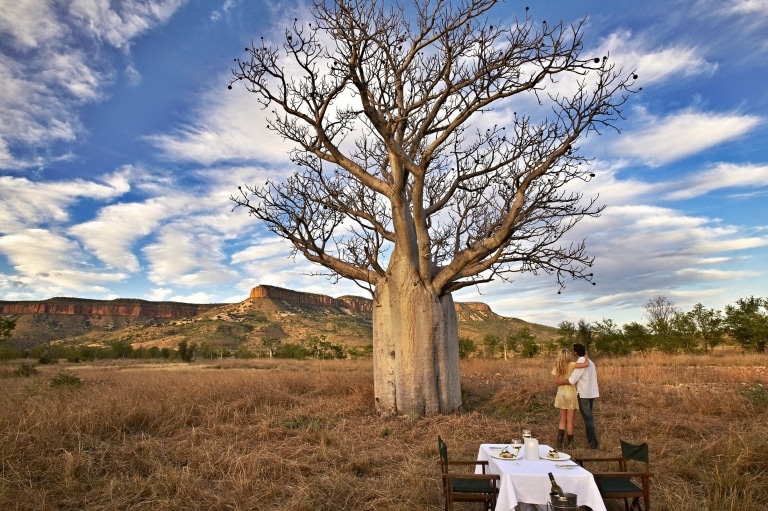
(436, 149)
(390, 112)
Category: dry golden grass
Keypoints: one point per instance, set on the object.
(303, 435)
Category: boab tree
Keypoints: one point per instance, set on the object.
(404, 184)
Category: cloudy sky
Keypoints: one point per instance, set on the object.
(120, 146)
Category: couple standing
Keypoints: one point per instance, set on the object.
(577, 389)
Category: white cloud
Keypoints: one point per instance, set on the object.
(29, 111)
(111, 234)
(720, 177)
(133, 75)
(660, 140)
(653, 65)
(226, 8)
(159, 294)
(120, 23)
(643, 249)
(188, 257)
(266, 251)
(48, 264)
(30, 23)
(199, 216)
(639, 248)
(57, 66)
(230, 126)
(747, 7)
(28, 203)
(630, 268)
(200, 297)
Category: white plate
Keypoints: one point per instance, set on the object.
(498, 456)
(561, 456)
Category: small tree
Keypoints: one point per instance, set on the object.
(271, 337)
(526, 339)
(406, 187)
(566, 334)
(292, 350)
(510, 345)
(121, 349)
(187, 351)
(659, 312)
(491, 343)
(747, 322)
(683, 333)
(710, 324)
(609, 338)
(323, 349)
(466, 347)
(584, 334)
(7, 326)
(6, 329)
(638, 337)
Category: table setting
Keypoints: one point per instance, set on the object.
(524, 468)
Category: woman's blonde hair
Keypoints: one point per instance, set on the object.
(561, 364)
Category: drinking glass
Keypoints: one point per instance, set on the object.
(516, 444)
(526, 434)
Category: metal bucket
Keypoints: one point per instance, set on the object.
(567, 503)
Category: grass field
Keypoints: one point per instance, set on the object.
(289, 435)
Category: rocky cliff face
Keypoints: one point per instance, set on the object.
(355, 303)
(119, 308)
(174, 310)
(472, 306)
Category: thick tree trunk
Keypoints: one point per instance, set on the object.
(415, 349)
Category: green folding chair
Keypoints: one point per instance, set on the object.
(464, 486)
(631, 481)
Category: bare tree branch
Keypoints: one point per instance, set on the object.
(385, 105)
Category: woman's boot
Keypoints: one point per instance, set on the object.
(560, 438)
(569, 442)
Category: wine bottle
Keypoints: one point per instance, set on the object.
(556, 490)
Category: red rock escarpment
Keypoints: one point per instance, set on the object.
(355, 303)
(472, 306)
(120, 307)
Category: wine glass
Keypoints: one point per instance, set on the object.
(516, 444)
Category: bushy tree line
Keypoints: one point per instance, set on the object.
(49, 353)
(670, 330)
(318, 347)
(666, 329)
(520, 343)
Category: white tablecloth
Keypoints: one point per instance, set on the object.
(526, 481)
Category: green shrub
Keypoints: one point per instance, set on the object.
(66, 380)
(26, 370)
(756, 394)
(466, 347)
(45, 358)
(291, 350)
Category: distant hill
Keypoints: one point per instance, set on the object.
(268, 313)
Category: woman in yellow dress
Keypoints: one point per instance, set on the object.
(566, 399)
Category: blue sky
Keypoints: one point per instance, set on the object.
(120, 146)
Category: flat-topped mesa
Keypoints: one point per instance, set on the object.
(472, 306)
(120, 307)
(355, 303)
